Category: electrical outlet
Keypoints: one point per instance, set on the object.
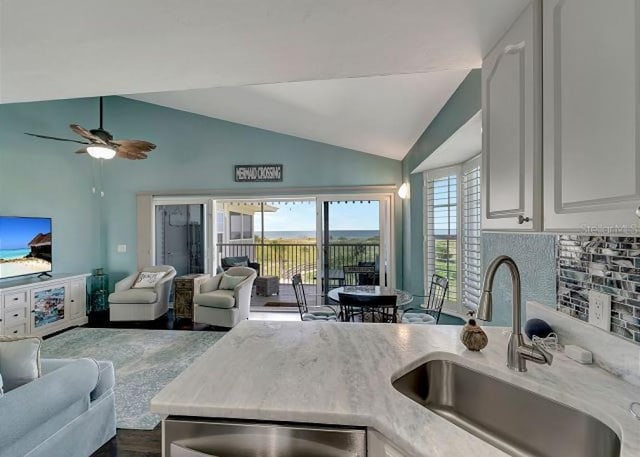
(600, 310)
(122, 248)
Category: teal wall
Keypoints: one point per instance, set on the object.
(45, 179)
(463, 104)
(535, 256)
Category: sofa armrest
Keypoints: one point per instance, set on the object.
(29, 406)
(242, 295)
(211, 284)
(106, 378)
(163, 287)
(126, 283)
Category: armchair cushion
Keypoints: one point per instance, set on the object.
(418, 318)
(240, 261)
(220, 298)
(134, 296)
(229, 282)
(148, 279)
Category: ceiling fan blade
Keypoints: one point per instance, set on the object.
(140, 145)
(130, 154)
(46, 137)
(133, 149)
(81, 151)
(86, 134)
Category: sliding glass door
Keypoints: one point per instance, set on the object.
(354, 241)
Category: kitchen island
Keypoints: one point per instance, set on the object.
(342, 373)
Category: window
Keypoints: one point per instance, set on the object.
(247, 227)
(220, 226)
(452, 231)
(471, 268)
(235, 226)
(442, 228)
(240, 226)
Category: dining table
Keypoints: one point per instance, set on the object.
(404, 297)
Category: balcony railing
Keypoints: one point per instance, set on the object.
(287, 259)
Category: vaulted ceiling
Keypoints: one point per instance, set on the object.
(382, 115)
(80, 48)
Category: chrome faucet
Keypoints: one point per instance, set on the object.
(518, 352)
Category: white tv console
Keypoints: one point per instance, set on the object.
(33, 306)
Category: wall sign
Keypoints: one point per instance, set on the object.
(258, 173)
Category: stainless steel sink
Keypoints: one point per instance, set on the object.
(513, 419)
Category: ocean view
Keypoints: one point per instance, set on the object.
(11, 254)
(335, 234)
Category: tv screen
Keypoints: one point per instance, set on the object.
(25, 246)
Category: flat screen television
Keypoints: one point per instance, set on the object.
(25, 246)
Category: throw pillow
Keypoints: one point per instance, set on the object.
(19, 360)
(229, 282)
(148, 279)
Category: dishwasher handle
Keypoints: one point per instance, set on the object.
(177, 450)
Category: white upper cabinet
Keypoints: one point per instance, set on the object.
(591, 125)
(511, 118)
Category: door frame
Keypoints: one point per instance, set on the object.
(146, 202)
(387, 232)
(168, 200)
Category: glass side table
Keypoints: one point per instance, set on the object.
(98, 292)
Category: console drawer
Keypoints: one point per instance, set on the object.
(15, 315)
(15, 298)
(16, 330)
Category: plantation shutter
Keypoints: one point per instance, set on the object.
(441, 222)
(471, 269)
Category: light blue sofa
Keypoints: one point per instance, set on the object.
(68, 412)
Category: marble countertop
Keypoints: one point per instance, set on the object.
(341, 373)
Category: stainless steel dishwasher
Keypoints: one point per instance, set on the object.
(189, 437)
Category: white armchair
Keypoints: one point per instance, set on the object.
(128, 304)
(221, 307)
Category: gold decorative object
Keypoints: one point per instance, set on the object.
(473, 337)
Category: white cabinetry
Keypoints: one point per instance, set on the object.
(511, 118)
(42, 306)
(591, 104)
(77, 298)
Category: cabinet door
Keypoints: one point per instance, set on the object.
(511, 119)
(77, 299)
(48, 307)
(591, 103)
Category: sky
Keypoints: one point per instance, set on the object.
(301, 216)
(16, 232)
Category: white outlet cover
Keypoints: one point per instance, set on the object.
(600, 310)
(122, 248)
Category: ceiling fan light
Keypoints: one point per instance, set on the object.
(101, 152)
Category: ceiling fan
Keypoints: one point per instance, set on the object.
(101, 144)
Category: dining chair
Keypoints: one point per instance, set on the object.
(430, 312)
(379, 308)
(323, 313)
(357, 275)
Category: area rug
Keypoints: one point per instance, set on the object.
(145, 361)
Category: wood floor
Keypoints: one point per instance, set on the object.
(148, 443)
(133, 443)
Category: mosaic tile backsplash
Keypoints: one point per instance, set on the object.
(608, 264)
